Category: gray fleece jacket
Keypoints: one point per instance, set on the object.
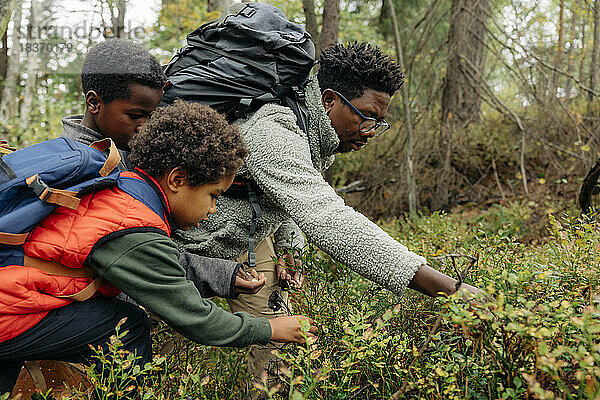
(286, 163)
(211, 276)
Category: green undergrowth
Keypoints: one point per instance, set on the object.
(538, 337)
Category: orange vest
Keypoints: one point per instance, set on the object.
(68, 237)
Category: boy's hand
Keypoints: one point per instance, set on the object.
(249, 283)
(288, 329)
(289, 269)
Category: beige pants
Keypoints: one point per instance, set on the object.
(260, 359)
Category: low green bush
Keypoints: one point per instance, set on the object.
(538, 337)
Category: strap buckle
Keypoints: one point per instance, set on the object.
(40, 188)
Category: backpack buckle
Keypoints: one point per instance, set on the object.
(299, 93)
(39, 187)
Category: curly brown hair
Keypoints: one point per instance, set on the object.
(191, 136)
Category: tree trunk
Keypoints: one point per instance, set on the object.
(6, 9)
(583, 50)
(3, 62)
(312, 26)
(570, 61)
(412, 186)
(460, 100)
(217, 5)
(8, 105)
(558, 57)
(32, 68)
(331, 22)
(117, 19)
(328, 37)
(594, 63)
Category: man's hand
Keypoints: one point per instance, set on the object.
(431, 282)
(249, 283)
(289, 269)
(288, 329)
(470, 291)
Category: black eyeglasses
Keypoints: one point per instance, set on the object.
(368, 123)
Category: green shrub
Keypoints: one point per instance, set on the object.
(538, 338)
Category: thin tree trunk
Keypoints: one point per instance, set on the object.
(3, 62)
(331, 22)
(8, 105)
(559, 50)
(6, 9)
(522, 165)
(583, 30)
(572, 38)
(328, 37)
(594, 62)
(117, 19)
(412, 186)
(32, 68)
(312, 26)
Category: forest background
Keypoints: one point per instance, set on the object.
(491, 137)
(500, 101)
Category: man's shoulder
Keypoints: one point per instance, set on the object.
(270, 114)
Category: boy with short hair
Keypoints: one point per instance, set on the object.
(122, 84)
(185, 157)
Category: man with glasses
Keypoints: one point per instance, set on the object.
(347, 103)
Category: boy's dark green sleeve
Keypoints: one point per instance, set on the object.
(145, 266)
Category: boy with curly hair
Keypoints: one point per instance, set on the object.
(122, 84)
(184, 158)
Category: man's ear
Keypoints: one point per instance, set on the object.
(175, 179)
(93, 102)
(328, 98)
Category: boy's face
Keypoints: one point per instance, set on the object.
(122, 118)
(191, 204)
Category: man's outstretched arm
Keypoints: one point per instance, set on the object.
(432, 282)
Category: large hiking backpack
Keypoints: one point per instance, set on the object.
(37, 179)
(252, 55)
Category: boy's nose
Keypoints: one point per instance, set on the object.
(213, 208)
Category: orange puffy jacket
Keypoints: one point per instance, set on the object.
(68, 237)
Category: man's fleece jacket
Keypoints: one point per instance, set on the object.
(286, 163)
(211, 276)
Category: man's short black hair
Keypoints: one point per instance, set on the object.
(110, 67)
(357, 66)
(190, 136)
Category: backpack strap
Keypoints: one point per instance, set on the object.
(67, 198)
(64, 198)
(13, 239)
(113, 159)
(242, 188)
(55, 268)
(5, 148)
(256, 214)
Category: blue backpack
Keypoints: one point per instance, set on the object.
(37, 179)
